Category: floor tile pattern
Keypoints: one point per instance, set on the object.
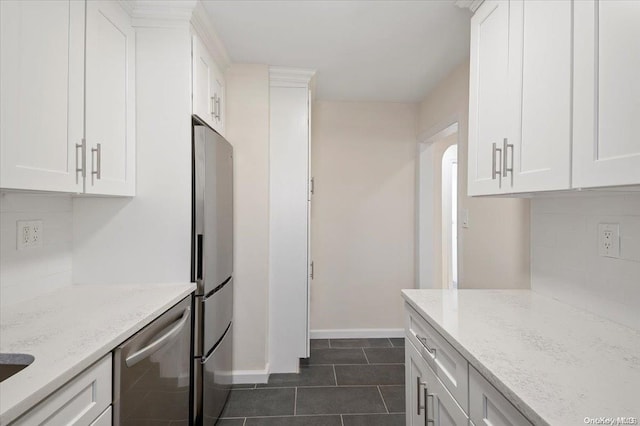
(345, 382)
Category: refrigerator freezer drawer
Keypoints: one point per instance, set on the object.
(218, 310)
(216, 371)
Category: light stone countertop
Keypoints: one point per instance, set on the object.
(70, 329)
(557, 364)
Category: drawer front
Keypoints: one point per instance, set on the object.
(105, 418)
(451, 368)
(488, 407)
(78, 402)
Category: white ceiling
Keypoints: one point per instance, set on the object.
(362, 50)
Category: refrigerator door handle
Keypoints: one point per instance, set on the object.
(199, 257)
(165, 338)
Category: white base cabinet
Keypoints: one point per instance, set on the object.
(442, 388)
(83, 400)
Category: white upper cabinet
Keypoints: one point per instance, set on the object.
(208, 87)
(488, 101)
(548, 135)
(68, 105)
(110, 100)
(538, 147)
(42, 80)
(520, 97)
(606, 121)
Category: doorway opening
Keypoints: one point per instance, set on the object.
(437, 262)
(450, 217)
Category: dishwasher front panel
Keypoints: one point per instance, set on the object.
(152, 371)
(216, 378)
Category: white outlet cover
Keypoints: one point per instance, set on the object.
(29, 234)
(609, 240)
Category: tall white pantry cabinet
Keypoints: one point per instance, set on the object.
(68, 97)
(290, 268)
(554, 96)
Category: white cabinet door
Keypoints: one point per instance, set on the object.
(427, 396)
(606, 96)
(208, 87)
(288, 191)
(487, 406)
(218, 95)
(110, 100)
(41, 80)
(488, 98)
(415, 378)
(204, 104)
(538, 145)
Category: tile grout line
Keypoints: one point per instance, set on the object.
(382, 397)
(335, 376)
(341, 420)
(244, 422)
(295, 400)
(365, 356)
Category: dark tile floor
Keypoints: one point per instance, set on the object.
(345, 382)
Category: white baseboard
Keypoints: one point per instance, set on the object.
(243, 377)
(357, 333)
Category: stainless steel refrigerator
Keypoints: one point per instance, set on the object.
(212, 270)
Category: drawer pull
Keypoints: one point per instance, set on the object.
(423, 340)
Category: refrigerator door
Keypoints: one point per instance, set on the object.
(216, 379)
(218, 210)
(213, 209)
(218, 310)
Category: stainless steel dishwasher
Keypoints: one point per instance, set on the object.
(152, 371)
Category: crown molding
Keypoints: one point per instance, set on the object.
(472, 5)
(159, 13)
(290, 77)
(201, 22)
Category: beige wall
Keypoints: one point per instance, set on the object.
(494, 251)
(363, 213)
(248, 132)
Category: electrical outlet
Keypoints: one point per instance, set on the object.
(36, 233)
(609, 240)
(29, 234)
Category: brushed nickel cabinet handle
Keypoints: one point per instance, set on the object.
(496, 172)
(97, 171)
(429, 349)
(212, 105)
(506, 147)
(218, 112)
(80, 168)
(418, 406)
(427, 395)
